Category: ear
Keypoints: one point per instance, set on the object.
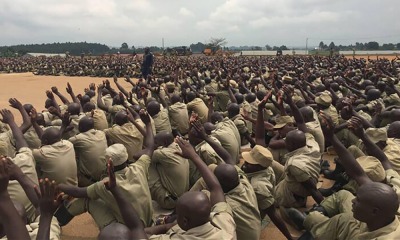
(185, 221)
(375, 211)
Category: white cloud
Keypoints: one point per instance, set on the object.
(186, 12)
(241, 22)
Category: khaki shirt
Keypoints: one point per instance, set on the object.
(161, 121)
(172, 168)
(241, 126)
(99, 118)
(332, 112)
(227, 133)
(24, 160)
(316, 131)
(32, 138)
(33, 229)
(263, 183)
(207, 153)
(133, 184)
(75, 124)
(112, 111)
(107, 100)
(221, 227)
(57, 162)
(179, 118)
(90, 148)
(221, 101)
(243, 201)
(7, 144)
(392, 152)
(198, 106)
(345, 226)
(128, 135)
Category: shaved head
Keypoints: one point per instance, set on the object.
(193, 209)
(227, 176)
(115, 231)
(295, 139)
(51, 136)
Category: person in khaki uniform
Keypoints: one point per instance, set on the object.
(314, 126)
(168, 173)
(126, 133)
(178, 115)
(198, 216)
(262, 178)
(240, 196)
(324, 102)
(197, 106)
(160, 117)
(132, 179)
(98, 115)
(90, 147)
(240, 123)
(56, 158)
(227, 133)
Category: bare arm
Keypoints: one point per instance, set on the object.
(26, 120)
(216, 193)
(120, 88)
(62, 97)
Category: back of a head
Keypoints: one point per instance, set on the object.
(85, 124)
(239, 98)
(260, 94)
(394, 130)
(115, 231)
(373, 94)
(153, 108)
(121, 117)
(193, 210)
(74, 108)
(381, 201)
(163, 139)
(190, 96)
(251, 97)
(307, 113)
(88, 107)
(175, 98)
(216, 117)
(227, 176)
(295, 139)
(233, 110)
(50, 136)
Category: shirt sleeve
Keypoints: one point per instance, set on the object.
(94, 189)
(298, 174)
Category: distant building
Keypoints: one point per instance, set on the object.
(44, 55)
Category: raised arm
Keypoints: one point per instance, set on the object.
(26, 120)
(372, 149)
(352, 167)
(132, 116)
(149, 138)
(100, 103)
(12, 222)
(301, 125)
(216, 193)
(120, 88)
(62, 97)
(38, 129)
(217, 147)
(8, 118)
(129, 214)
(50, 200)
(70, 91)
(260, 126)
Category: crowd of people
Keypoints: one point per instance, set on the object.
(218, 142)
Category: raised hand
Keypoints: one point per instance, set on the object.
(201, 133)
(187, 150)
(7, 116)
(54, 89)
(15, 103)
(33, 114)
(110, 183)
(327, 125)
(4, 176)
(288, 94)
(263, 102)
(144, 116)
(356, 126)
(49, 195)
(49, 94)
(92, 86)
(69, 88)
(115, 78)
(14, 171)
(66, 120)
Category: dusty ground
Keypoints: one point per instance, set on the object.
(29, 88)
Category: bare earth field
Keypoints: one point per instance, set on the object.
(29, 88)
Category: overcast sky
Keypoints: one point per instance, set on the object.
(182, 22)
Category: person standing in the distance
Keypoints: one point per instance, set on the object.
(147, 64)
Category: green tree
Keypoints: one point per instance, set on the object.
(124, 45)
(268, 47)
(321, 45)
(372, 46)
(332, 45)
(217, 43)
(283, 47)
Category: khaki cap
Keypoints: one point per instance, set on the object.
(258, 155)
(281, 121)
(118, 154)
(324, 99)
(372, 167)
(377, 134)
